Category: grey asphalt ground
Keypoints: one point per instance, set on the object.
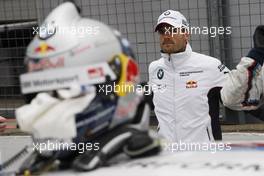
(10, 145)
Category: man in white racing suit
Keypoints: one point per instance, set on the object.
(185, 85)
(243, 89)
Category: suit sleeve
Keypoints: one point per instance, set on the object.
(219, 75)
(243, 87)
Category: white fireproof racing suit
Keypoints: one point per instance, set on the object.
(243, 89)
(181, 83)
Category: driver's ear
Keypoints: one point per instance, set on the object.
(187, 36)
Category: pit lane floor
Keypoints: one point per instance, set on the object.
(240, 162)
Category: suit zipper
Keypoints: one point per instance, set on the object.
(174, 114)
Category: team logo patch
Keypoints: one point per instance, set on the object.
(167, 13)
(44, 48)
(191, 84)
(221, 67)
(160, 73)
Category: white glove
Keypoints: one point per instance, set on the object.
(49, 117)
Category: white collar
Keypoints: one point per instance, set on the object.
(178, 58)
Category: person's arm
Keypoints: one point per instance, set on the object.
(218, 77)
(243, 88)
(213, 101)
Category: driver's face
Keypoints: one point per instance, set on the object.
(171, 39)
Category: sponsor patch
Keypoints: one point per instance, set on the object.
(95, 72)
(160, 73)
(191, 84)
(221, 67)
(167, 13)
(44, 48)
(190, 72)
(45, 63)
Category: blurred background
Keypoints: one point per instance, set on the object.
(136, 20)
